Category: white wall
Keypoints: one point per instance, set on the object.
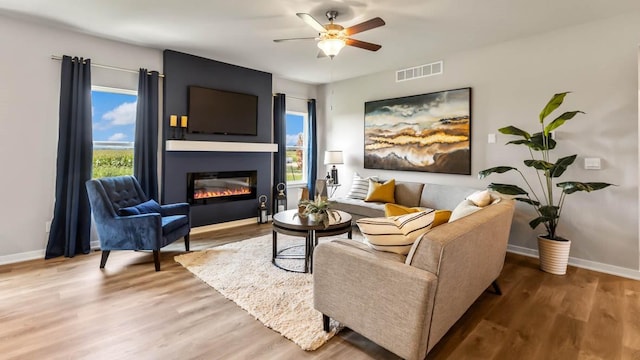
(511, 82)
(29, 95)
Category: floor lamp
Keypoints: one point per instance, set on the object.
(333, 157)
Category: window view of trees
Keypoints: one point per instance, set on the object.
(114, 117)
(296, 147)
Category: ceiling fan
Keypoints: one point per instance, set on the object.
(333, 37)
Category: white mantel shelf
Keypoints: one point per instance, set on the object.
(223, 146)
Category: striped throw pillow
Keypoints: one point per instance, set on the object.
(397, 233)
(359, 187)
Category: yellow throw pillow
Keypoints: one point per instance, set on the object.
(441, 217)
(396, 210)
(381, 192)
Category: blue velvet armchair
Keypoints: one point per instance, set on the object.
(127, 220)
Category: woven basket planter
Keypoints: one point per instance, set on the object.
(554, 255)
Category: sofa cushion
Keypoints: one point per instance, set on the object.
(408, 193)
(396, 210)
(359, 207)
(381, 192)
(359, 187)
(395, 234)
(147, 207)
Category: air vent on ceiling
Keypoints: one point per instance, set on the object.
(421, 71)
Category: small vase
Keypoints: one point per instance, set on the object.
(554, 255)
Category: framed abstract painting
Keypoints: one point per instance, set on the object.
(428, 132)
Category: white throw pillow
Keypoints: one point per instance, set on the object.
(480, 198)
(359, 187)
(397, 233)
(465, 208)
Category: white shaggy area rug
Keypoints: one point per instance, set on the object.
(281, 300)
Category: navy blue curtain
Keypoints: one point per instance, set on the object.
(312, 150)
(145, 153)
(280, 138)
(71, 226)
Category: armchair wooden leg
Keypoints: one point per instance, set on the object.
(156, 259)
(186, 242)
(103, 260)
(496, 287)
(325, 323)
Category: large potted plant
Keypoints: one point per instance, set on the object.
(553, 249)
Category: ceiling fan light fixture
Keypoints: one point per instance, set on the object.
(331, 47)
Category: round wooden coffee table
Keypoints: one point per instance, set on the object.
(288, 223)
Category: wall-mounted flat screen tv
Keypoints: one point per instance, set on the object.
(214, 111)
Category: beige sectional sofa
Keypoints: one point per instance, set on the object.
(407, 303)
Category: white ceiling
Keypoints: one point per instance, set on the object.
(241, 31)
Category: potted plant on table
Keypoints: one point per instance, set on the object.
(318, 211)
(553, 249)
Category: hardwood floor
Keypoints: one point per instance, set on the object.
(70, 309)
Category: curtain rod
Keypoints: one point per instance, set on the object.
(293, 97)
(55, 57)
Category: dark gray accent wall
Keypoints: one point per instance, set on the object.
(182, 70)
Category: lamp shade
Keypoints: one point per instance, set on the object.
(332, 157)
(331, 47)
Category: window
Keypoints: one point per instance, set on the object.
(296, 128)
(114, 119)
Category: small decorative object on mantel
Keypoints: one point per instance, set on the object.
(553, 249)
(263, 215)
(183, 126)
(281, 197)
(319, 211)
(173, 124)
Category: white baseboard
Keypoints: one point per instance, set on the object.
(19, 257)
(581, 263)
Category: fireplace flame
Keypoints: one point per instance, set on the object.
(213, 193)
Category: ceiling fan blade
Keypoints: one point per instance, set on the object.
(301, 38)
(311, 21)
(363, 26)
(321, 54)
(363, 44)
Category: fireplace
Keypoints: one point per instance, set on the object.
(212, 187)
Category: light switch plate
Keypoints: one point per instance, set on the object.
(491, 139)
(592, 164)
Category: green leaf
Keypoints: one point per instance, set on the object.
(537, 221)
(549, 212)
(569, 187)
(561, 165)
(539, 164)
(528, 201)
(560, 120)
(512, 130)
(538, 142)
(498, 169)
(507, 189)
(553, 104)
